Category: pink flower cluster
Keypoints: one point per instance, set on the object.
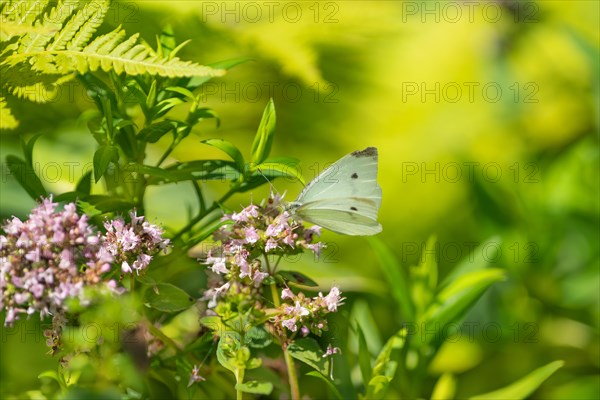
(56, 253)
(48, 258)
(306, 313)
(133, 245)
(254, 232)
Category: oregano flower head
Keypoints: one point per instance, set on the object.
(249, 239)
(48, 258)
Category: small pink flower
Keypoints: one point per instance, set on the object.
(290, 324)
(287, 293)
(251, 235)
(331, 351)
(195, 376)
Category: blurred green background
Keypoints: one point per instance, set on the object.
(485, 115)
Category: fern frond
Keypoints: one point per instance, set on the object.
(68, 50)
(24, 12)
(7, 119)
(10, 29)
(24, 82)
(81, 27)
(53, 21)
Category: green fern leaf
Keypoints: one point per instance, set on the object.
(112, 52)
(7, 120)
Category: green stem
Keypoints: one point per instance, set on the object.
(167, 153)
(275, 295)
(289, 360)
(293, 376)
(239, 378)
(201, 215)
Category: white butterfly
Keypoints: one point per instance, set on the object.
(345, 198)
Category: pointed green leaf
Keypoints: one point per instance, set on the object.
(230, 150)
(28, 149)
(274, 169)
(424, 277)
(258, 337)
(297, 278)
(154, 132)
(308, 351)
(255, 387)
(155, 172)
(168, 298)
(456, 298)
(201, 170)
(364, 357)
(84, 186)
(26, 177)
(106, 204)
(385, 368)
(522, 388)
(182, 91)
(203, 113)
(196, 81)
(330, 385)
(445, 388)
(102, 157)
(261, 146)
(377, 387)
(478, 259)
(395, 277)
(227, 351)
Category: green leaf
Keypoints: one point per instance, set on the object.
(258, 337)
(364, 357)
(28, 149)
(522, 388)
(385, 368)
(261, 146)
(196, 81)
(230, 63)
(382, 362)
(394, 276)
(330, 385)
(84, 186)
(201, 170)
(203, 113)
(230, 150)
(67, 196)
(255, 387)
(52, 374)
(274, 168)
(168, 298)
(308, 351)
(182, 91)
(445, 388)
(155, 172)
(26, 177)
(424, 277)
(213, 323)
(456, 298)
(477, 260)
(297, 278)
(377, 387)
(102, 157)
(154, 132)
(227, 350)
(106, 204)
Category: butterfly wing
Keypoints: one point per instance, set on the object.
(345, 198)
(354, 175)
(349, 216)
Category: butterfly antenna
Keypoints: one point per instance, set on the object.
(273, 190)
